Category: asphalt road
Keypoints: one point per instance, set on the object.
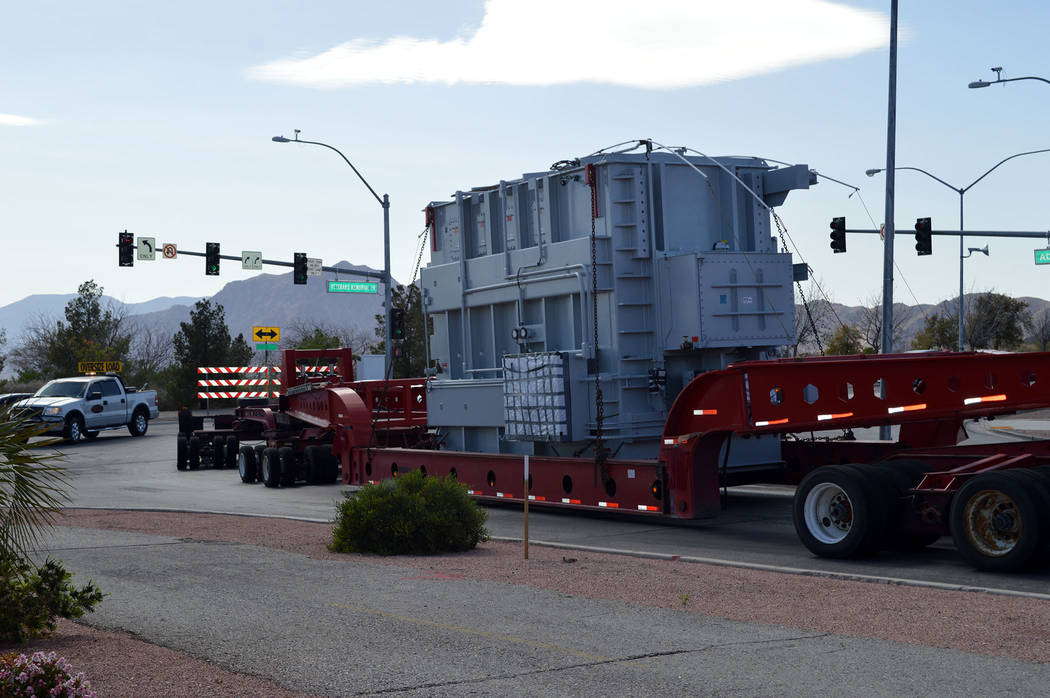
(119, 471)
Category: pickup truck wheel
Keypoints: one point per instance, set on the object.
(194, 452)
(246, 464)
(996, 521)
(271, 468)
(180, 452)
(218, 452)
(832, 512)
(139, 423)
(74, 431)
(287, 456)
(90, 435)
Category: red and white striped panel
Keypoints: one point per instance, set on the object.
(236, 369)
(227, 382)
(221, 396)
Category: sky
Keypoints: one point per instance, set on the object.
(157, 118)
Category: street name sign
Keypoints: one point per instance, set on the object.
(266, 334)
(251, 259)
(1042, 256)
(353, 287)
(265, 346)
(147, 248)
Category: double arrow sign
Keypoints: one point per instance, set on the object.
(266, 334)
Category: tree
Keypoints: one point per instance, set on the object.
(319, 335)
(870, 324)
(941, 332)
(3, 341)
(813, 327)
(997, 321)
(203, 341)
(846, 340)
(410, 352)
(1041, 330)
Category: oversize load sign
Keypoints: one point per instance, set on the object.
(100, 366)
(1042, 256)
(353, 287)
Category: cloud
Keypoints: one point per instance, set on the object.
(16, 120)
(655, 44)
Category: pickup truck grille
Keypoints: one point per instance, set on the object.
(27, 414)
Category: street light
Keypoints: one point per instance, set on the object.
(976, 84)
(961, 191)
(384, 201)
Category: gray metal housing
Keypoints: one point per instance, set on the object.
(689, 278)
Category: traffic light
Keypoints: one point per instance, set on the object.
(838, 234)
(923, 236)
(211, 258)
(397, 324)
(126, 249)
(299, 268)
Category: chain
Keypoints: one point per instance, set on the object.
(801, 294)
(599, 402)
(419, 257)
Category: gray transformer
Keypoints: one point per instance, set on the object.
(689, 278)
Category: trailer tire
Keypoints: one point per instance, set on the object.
(180, 452)
(1040, 490)
(321, 466)
(287, 456)
(139, 422)
(259, 448)
(246, 464)
(996, 521)
(232, 449)
(906, 474)
(193, 451)
(218, 452)
(271, 467)
(833, 515)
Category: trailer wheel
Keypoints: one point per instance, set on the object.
(832, 512)
(218, 452)
(287, 456)
(180, 452)
(193, 446)
(259, 448)
(246, 464)
(321, 466)
(996, 522)
(271, 468)
(906, 474)
(232, 450)
(1039, 488)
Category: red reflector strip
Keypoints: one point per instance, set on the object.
(610, 505)
(704, 413)
(569, 501)
(505, 495)
(475, 492)
(646, 507)
(986, 398)
(907, 408)
(771, 422)
(538, 499)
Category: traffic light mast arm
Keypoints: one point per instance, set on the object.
(1038, 234)
(278, 263)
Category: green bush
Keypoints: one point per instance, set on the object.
(32, 597)
(411, 514)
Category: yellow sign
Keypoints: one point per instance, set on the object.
(266, 334)
(100, 366)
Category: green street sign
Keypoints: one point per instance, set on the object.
(1042, 256)
(353, 287)
(266, 346)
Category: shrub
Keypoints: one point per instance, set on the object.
(41, 675)
(411, 514)
(32, 597)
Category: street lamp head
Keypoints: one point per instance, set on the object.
(280, 139)
(978, 249)
(872, 172)
(979, 83)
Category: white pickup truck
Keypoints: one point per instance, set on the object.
(79, 408)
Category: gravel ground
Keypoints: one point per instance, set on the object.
(1002, 626)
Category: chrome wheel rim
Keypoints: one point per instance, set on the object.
(828, 513)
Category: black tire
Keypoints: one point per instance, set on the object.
(312, 466)
(74, 430)
(218, 452)
(259, 448)
(906, 474)
(1040, 490)
(246, 464)
(287, 456)
(271, 467)
(193, 445)
(180, 452)
(232, 449)
(139, 422)
(996, 521)
(90, 435)
(833, 515)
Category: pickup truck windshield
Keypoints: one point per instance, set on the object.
(61, 389)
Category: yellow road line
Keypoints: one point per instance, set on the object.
(472, 631)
